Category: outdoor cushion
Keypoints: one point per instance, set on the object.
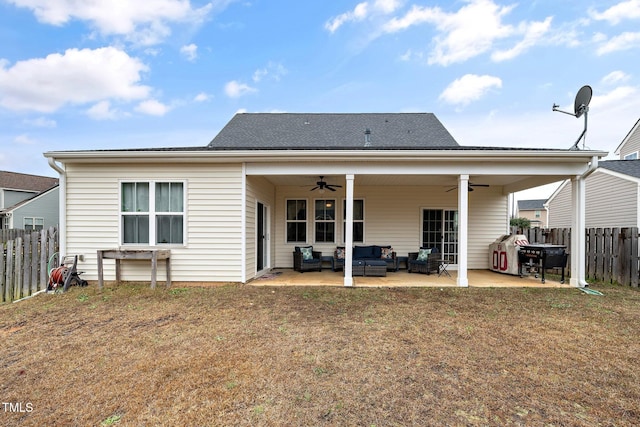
(386, 253)
(376, 251)
(363, 252)
(307, 253)
(340, 252)
(423, 254)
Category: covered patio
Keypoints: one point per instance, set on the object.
(477, 278)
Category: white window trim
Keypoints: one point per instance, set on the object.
(32, 218)
(363, 221)
(334, 220)
(152, 213)
(287, 221)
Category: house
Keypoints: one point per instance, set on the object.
(612, 191)
(28, 202)
(533, 210)
(235, 208)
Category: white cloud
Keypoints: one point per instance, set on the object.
(145, 22)
(152, 107)
(629, 9)
(361, 12)
(201, 97)
(618, 96)
(273, 70)
(624, 41)
(235, 89)
(190, 51)
(75, 77)
(615, 77)
(469, 32)
(23, 140)
(533, 33)
(469, 88)
(102, 111)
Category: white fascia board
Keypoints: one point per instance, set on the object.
(134, 156)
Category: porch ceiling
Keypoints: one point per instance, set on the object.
(515, 181)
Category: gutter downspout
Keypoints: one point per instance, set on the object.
(62, 200)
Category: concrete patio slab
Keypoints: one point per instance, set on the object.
(477, 278)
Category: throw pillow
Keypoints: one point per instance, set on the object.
(387, 253)
(423, 254)
(307, 253)
(340, 253)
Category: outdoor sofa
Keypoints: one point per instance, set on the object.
(383, 258)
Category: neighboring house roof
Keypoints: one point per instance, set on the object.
(21, 181)
(29, 200)
(626, 167)
(333, 131)
(531, 205)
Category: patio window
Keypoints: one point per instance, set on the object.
(152, 212)
(632, 156)
(33, 223)
(358, 220)
(325, 220)
(296, 221)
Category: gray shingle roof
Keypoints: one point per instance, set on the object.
(531, 205)
(627, 167)
(278, 131)
(21, 181)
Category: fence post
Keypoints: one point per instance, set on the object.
(26, 265)
(608, 254)
(633, 262)
(35, 285)
(3, 271)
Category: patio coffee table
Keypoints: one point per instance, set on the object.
(372, 267)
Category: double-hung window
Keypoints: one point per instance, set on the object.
(152, 213)
(325, 220)
(296, 221)
(358, 220)
(33, 223)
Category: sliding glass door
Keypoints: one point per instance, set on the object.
(440, 230)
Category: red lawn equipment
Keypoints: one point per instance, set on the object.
(63, 276)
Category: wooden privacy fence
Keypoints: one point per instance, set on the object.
(612, 254)
(23, 264)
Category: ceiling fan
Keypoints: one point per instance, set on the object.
(471, 185)
(322, 185)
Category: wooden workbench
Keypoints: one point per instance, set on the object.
(135, 254)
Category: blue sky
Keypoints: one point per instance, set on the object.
(100, 74)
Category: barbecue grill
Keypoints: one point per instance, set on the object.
(541, 257)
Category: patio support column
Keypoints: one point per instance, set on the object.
(463, 233)
(348, 232)
(578, 222)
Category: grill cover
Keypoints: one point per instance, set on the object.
(503, 253)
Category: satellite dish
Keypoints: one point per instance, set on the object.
(583, 98)
(580, 107)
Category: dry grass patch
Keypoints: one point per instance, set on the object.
(243, 355)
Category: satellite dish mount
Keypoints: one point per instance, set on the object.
(580, 108)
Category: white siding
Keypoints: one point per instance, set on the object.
(632, 144)
(610, 201)
(560, 208)
(258, 190)
(213, 213)
(608, 208)
(393, 216)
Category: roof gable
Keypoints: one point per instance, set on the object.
(278, 131)
(626, 167)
